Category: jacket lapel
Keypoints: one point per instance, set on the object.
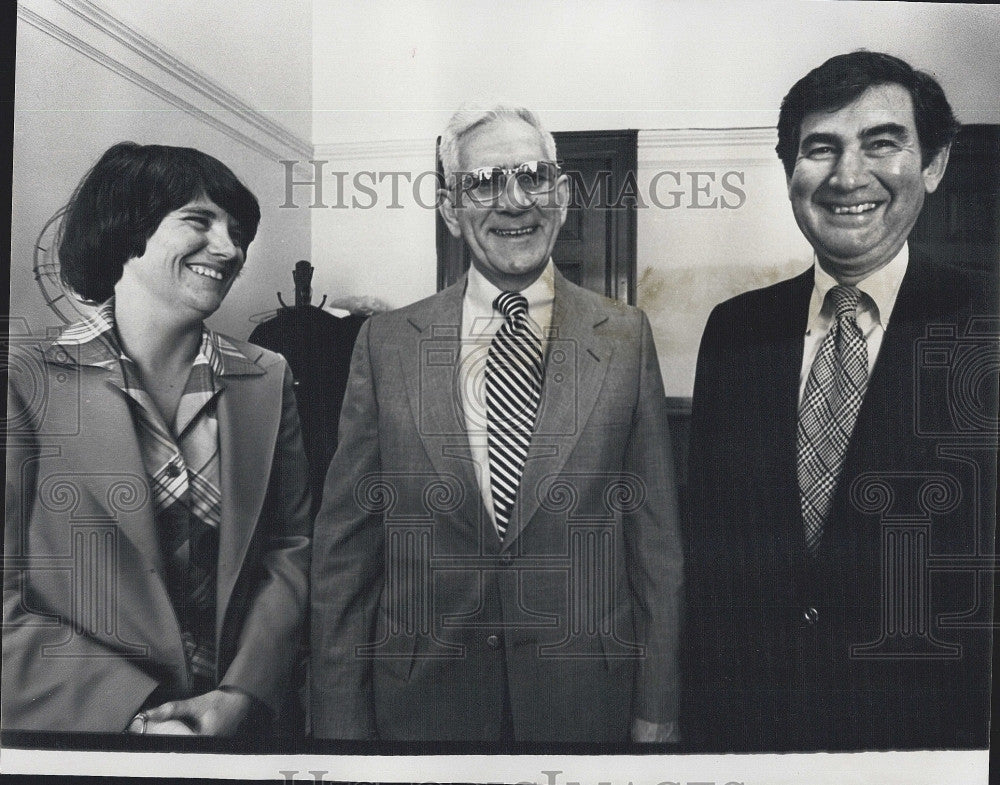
(121, 488)
(249, 417)
(576, 362)
(108, 431)
(429, 357)
(776, 388)
(885, 430)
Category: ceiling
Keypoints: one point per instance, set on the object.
(258, 50)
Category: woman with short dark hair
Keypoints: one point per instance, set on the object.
(164, 465)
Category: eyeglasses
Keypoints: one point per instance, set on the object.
(485, 184)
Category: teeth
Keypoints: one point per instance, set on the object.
(854, 209)
(206, 272)
(514, 232)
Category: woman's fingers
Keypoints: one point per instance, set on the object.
(169, 728)
(166, 711)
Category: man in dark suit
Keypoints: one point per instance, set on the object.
(843, 452)
(498, 555)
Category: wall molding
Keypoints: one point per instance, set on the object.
(92, 31)
(677, 145)
(708, 137)
(708, 146)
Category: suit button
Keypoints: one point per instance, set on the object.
(810, 616)
(173, 470)
(493, 641)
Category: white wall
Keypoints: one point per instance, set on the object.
(724, 227)
(387, 79)
(381, 250)
(395, 68)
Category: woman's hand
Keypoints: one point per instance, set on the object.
(169, 728)
(215, 713)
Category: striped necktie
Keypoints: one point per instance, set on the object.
(829, 408)
(513, 392)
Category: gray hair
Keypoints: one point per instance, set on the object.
(466, 120)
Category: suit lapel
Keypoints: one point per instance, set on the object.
(249, 417)
(429, 358)
(779, 372)
(576, 362)
(885, 428)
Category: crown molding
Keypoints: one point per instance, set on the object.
(694, 143)
(708, 146)
(89, 29)
(708, 137)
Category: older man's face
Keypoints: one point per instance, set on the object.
(858, 184)
(512, 237)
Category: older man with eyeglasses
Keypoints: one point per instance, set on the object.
(497, 558)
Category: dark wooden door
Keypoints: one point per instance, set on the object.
(961, 219)
(596, 247)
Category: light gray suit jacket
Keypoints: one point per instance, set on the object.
(89, 630)
(423, 622)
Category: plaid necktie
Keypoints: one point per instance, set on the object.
(828, 411)
(513, 392)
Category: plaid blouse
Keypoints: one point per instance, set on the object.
(181, 461)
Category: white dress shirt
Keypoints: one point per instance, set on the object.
(878, 296)
(480, 322)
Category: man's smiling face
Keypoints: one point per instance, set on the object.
(858, 184)
(511, 239)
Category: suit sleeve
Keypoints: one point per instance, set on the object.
(347, 566)
(653, 543)
(272, 631)
(85, 686)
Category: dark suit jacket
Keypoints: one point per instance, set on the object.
(417, 604)
(778, 655)
(88, 627)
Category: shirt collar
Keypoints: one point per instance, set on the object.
(94, 341)
(881, 287)
(480, 293)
